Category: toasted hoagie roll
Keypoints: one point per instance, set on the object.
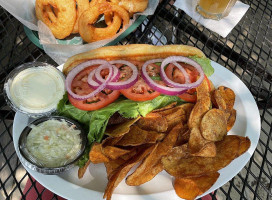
(137, 52)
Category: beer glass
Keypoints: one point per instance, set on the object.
(214, 9)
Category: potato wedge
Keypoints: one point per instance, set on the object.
(82, 170)
(120, 129)
(201, 107)
(146, 167)
(224, 98)
(178, 113)
(208, 150)
(188, 107)
(244, 145)
(178, 153)
(231, 120)
(114, 152)
(110, 141)
(196, 141)
(198, 166)
(218, 100)
(203, 90)
(96, 155)
(165, 112)
(147, 176)
(171, 105)
(153, 122)
(112, 165)
(120, 173)
(184, 136)
(228, 95)
(137, 136)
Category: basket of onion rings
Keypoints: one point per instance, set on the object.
(77, 40)
(67, 27)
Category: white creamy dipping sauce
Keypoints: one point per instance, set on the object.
(37, 89)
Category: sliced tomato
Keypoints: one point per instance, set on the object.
(188, 97)
(141, 91)
(80, 86)
(176, 75)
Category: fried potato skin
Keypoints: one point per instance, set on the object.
(228, 95)
(153, 122)
(82, 170)
(120, 173)
(178, 152)
(218, 100)
(114, 152)
(184, 136)
(146, 169)
(214, 125)
(231, 120)
(208, 150)
(201, 107)
(137, 136)
(199, 145)
(196, 141)
(96, 155)
(120, 129)
(191, 188)
(193, 166)
(150, 174)
(244, 145)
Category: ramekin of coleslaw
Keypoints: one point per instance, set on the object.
(51, 145)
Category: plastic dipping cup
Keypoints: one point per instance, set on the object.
(214, 9)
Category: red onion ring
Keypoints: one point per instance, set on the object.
(174, 60)
(115, 77)
(112, 85)
(91, 82)
(72, 74)
(155, 86)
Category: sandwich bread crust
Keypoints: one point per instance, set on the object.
(136, 52)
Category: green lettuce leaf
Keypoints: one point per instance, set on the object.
(205, 64)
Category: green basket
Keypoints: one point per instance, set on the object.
(34, 37)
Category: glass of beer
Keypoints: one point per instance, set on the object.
(214, 9)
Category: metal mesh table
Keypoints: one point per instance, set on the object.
(246, 52)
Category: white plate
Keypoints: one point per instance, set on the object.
(94, 181)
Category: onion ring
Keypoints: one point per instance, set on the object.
(113, 85)
(72, 74)
(82, 5)
(155, 86)
(51, 13)
(132, 6)
(90, 33)
(115, 76)
(174, 60)
(91, 82)
(108, 16)
(95, 2)
(58, 15)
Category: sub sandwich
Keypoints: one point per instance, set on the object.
(109, 85)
